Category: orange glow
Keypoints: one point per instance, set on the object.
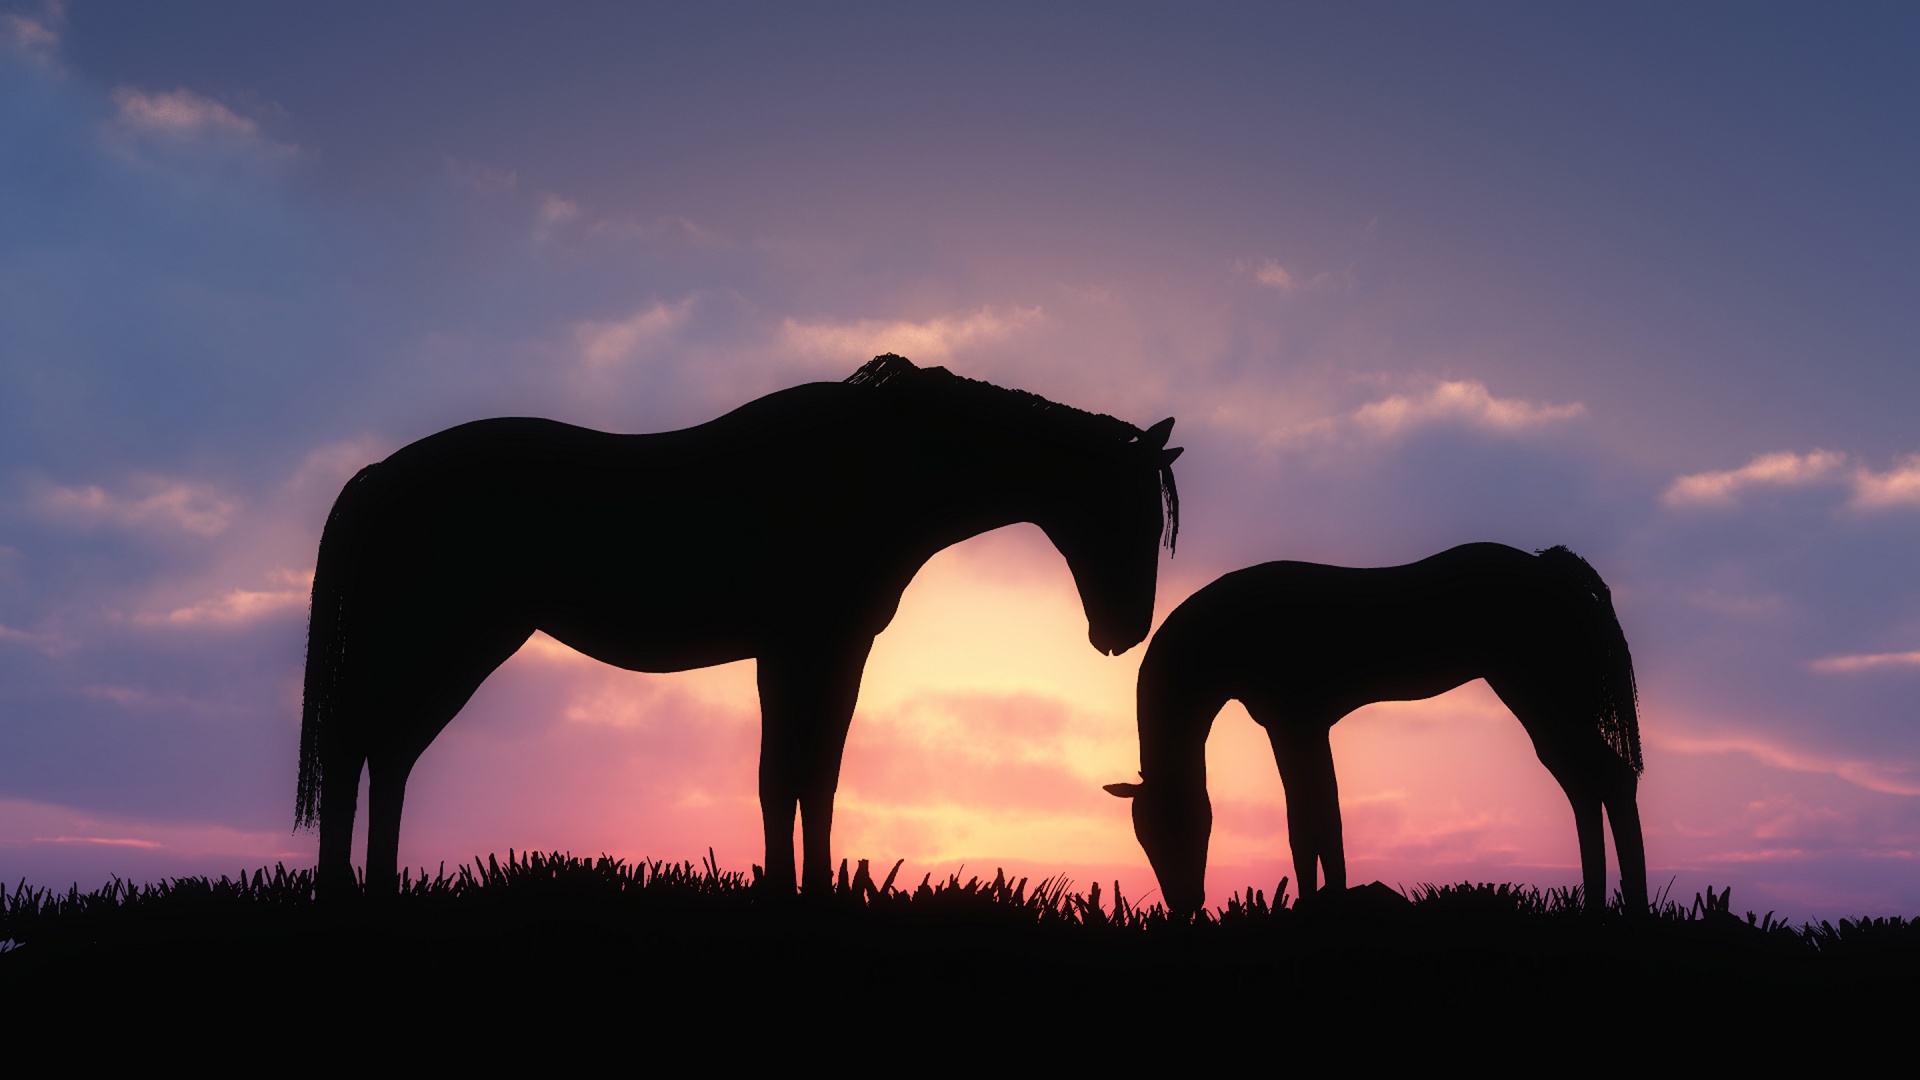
(985, 728)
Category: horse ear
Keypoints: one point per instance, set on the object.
(1167, 456)
(1155, 437)
(1124, 791)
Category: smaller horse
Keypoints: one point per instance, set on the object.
(1302, 645)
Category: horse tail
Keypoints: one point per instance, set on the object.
(326, 645)
(1617, 695)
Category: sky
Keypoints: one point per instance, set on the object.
(1635, 278)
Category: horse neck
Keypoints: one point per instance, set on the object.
(975, 487)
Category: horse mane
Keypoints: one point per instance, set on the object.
(1617, 696)
(892, 373)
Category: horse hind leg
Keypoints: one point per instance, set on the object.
(419, 712)
(386, 791)
(339, 799)
(1593, 849)
(1623, 813)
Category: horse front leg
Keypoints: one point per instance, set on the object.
(779, 793)
(807, 701)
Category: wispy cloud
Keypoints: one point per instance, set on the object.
(1463, 403)
(1887, 778)
(24, 823)
(327, 467)
(604, 344)
(36, 37)
(1458, 404)
(150, 502)
(238, 606)
(145, 122)
(1859, 662)
(1783, 469)
(1273, 275)
(1898, 486)
(554, 210)
(1735, 604)
(931, 341)
(179, 112)
(481, 179)
(1871, 490)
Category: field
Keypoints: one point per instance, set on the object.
(660, 953)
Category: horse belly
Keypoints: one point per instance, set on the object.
(652, 629)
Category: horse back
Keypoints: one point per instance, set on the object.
(658, 550)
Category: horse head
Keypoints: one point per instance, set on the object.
(1173, 823)
(1109, 522)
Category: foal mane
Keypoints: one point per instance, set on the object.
(892, 373)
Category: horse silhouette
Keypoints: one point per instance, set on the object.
(785, 531)
(1302, 645)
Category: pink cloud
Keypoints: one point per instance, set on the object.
(932, 341)
(1871, 490)
(603, 344)
(1467, 403)
(146, 503)
(240, 606)
(26, 823)
(179, 112)
(36, 37)
(1859, 662)
(1885, 777)
(1897, 487)
(1781, 469)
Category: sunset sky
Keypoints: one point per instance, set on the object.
(1643, 280)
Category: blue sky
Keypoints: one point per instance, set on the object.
(1633, 279)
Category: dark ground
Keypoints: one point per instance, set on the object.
(553, 956)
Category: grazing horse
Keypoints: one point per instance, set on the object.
(785, 531)
(1302, 645)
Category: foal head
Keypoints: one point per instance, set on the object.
(1173, 823)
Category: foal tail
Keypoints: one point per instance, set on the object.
(326, 644)
(1617, 697)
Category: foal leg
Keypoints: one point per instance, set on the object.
(1305, 756)
(1564, 738)
(1593, 850)
(1623, 813)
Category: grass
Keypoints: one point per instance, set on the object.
(683, 945)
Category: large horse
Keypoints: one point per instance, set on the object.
(784, 531)
(1302, 645)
